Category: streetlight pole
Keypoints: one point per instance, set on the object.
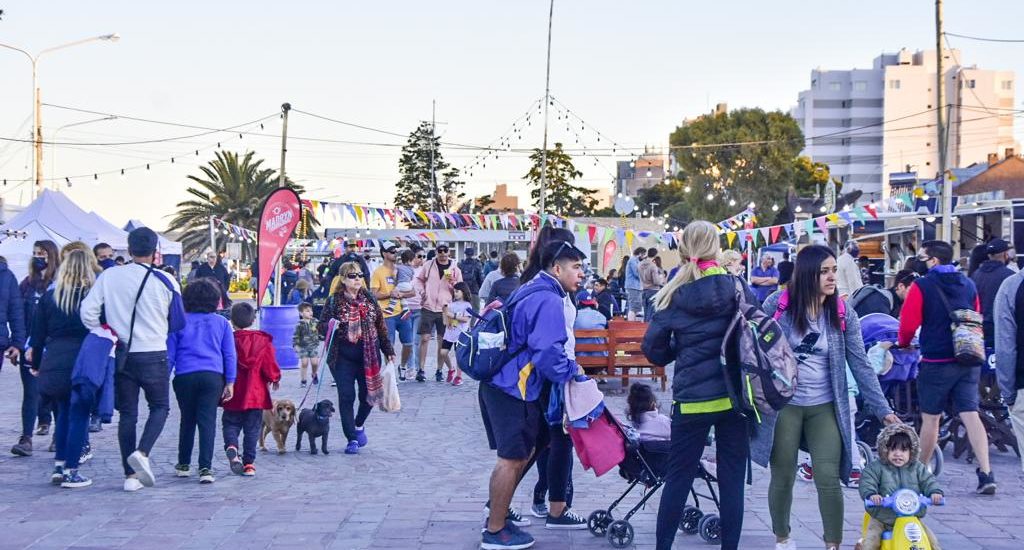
(37, 129)
(947, 185)
(547, 100)
(53, 157)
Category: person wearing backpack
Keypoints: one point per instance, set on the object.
(930, 303)
(825, 336)
(1009, 320)
(511, 399)
(692, 314)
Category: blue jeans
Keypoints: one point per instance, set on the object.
(403, 327)
(414, 320)
(29, 401)
(71, 432)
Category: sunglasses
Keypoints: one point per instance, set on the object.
(353, 276)
(421, 256)
(442, 250)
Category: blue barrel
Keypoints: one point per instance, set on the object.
(279, 322)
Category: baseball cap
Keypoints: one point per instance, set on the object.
(589, 302)
(470, 252)
(389, 247)
(997, 246)
(442, 248)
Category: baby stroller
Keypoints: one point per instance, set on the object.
(645, 465)
(898, 383)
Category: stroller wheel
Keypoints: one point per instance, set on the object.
(691, 520)
(866, 454)
(937, 462)
(620, 534)
(598, 522)
(710, 529)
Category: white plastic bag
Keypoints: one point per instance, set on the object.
(391, 402)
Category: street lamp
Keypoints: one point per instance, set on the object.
(53, 157)
(37, 136)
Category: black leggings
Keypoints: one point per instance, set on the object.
(349, 375)
(198, 395)
(689, 434)
(558, 477)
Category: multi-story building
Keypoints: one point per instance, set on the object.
(867, 123)
(646, 171)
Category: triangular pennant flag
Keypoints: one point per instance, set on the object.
(766, 233)
(846, 217)
(822, 224)
(753, 237)
(591, 231)
(620, 237)
(775, 230)
(809, 227)
(629, 239)
(859, 212)
(730, 237)
(360, 215)
(352, 211)
(833, 218)
(871, 210)
(907, 199)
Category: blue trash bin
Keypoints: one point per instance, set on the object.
(279, 322)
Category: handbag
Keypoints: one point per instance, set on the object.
(390, 402)
(121, 354)
(968, 335)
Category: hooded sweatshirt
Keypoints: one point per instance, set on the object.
(987, 278)
(883, 478)
(257, 367)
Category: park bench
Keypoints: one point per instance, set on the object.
(622, 357)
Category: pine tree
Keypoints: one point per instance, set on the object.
(416, 188)
(562, 197)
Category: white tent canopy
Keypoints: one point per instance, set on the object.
(167, 246)
(53, 216)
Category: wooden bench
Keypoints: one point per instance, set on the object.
(623, 359)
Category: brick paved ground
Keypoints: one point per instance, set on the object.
(420, 483)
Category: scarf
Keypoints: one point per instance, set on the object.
(360, 319)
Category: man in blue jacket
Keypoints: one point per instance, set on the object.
(510, 401)
(634, 288)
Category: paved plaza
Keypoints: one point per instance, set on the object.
(421, 483)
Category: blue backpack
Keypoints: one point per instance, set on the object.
(482, 351)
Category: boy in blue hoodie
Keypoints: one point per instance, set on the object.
(509, 402)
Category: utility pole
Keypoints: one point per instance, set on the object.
(547, 100)
(940, 112)
(213, 236)
(281, 183)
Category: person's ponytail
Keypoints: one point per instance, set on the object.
(699, 242)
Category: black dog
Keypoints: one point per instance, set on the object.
(316, 423)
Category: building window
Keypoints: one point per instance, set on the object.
(860, 86)
(970, 83)
(1006, 85)
(834, 86)
(894, 84)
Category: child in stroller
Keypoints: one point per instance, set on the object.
(647, 451)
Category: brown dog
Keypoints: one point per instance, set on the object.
(278, 421)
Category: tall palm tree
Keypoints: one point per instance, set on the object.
(231, 188)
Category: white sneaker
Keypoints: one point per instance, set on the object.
(140, 463)
(790, 544)
(131, 484)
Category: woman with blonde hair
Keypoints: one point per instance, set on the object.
(57, 335)
(692, 313)
(732, 261)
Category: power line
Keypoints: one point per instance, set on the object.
(984, 39)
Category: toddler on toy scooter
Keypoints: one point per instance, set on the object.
(897, 468)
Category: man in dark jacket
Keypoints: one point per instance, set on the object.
(473, 275)
(941, 376)
(605, 298)
(351, 255)
(988, 277)
(491, 264)
(1009, 319)
(215, 270)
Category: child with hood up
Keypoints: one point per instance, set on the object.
(897, 468)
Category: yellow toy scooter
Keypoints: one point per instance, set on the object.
(908, 531)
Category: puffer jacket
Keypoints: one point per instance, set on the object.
(690, 332)
(883, 478)
(987, 279)
(13, 324)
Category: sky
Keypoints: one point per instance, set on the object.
(631, 71)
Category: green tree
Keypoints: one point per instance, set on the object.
(759, 169)
(562, 197)
(810, 176)
(421, 166)
(232, 189)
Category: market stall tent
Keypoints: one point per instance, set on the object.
(51, 216)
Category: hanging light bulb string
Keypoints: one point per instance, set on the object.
(504, 141)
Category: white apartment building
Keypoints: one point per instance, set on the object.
(868, 123)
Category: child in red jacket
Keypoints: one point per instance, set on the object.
(257, 372)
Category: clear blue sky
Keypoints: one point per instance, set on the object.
(632, 70)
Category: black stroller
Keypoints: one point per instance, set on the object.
(645, 465)
(993, 414)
